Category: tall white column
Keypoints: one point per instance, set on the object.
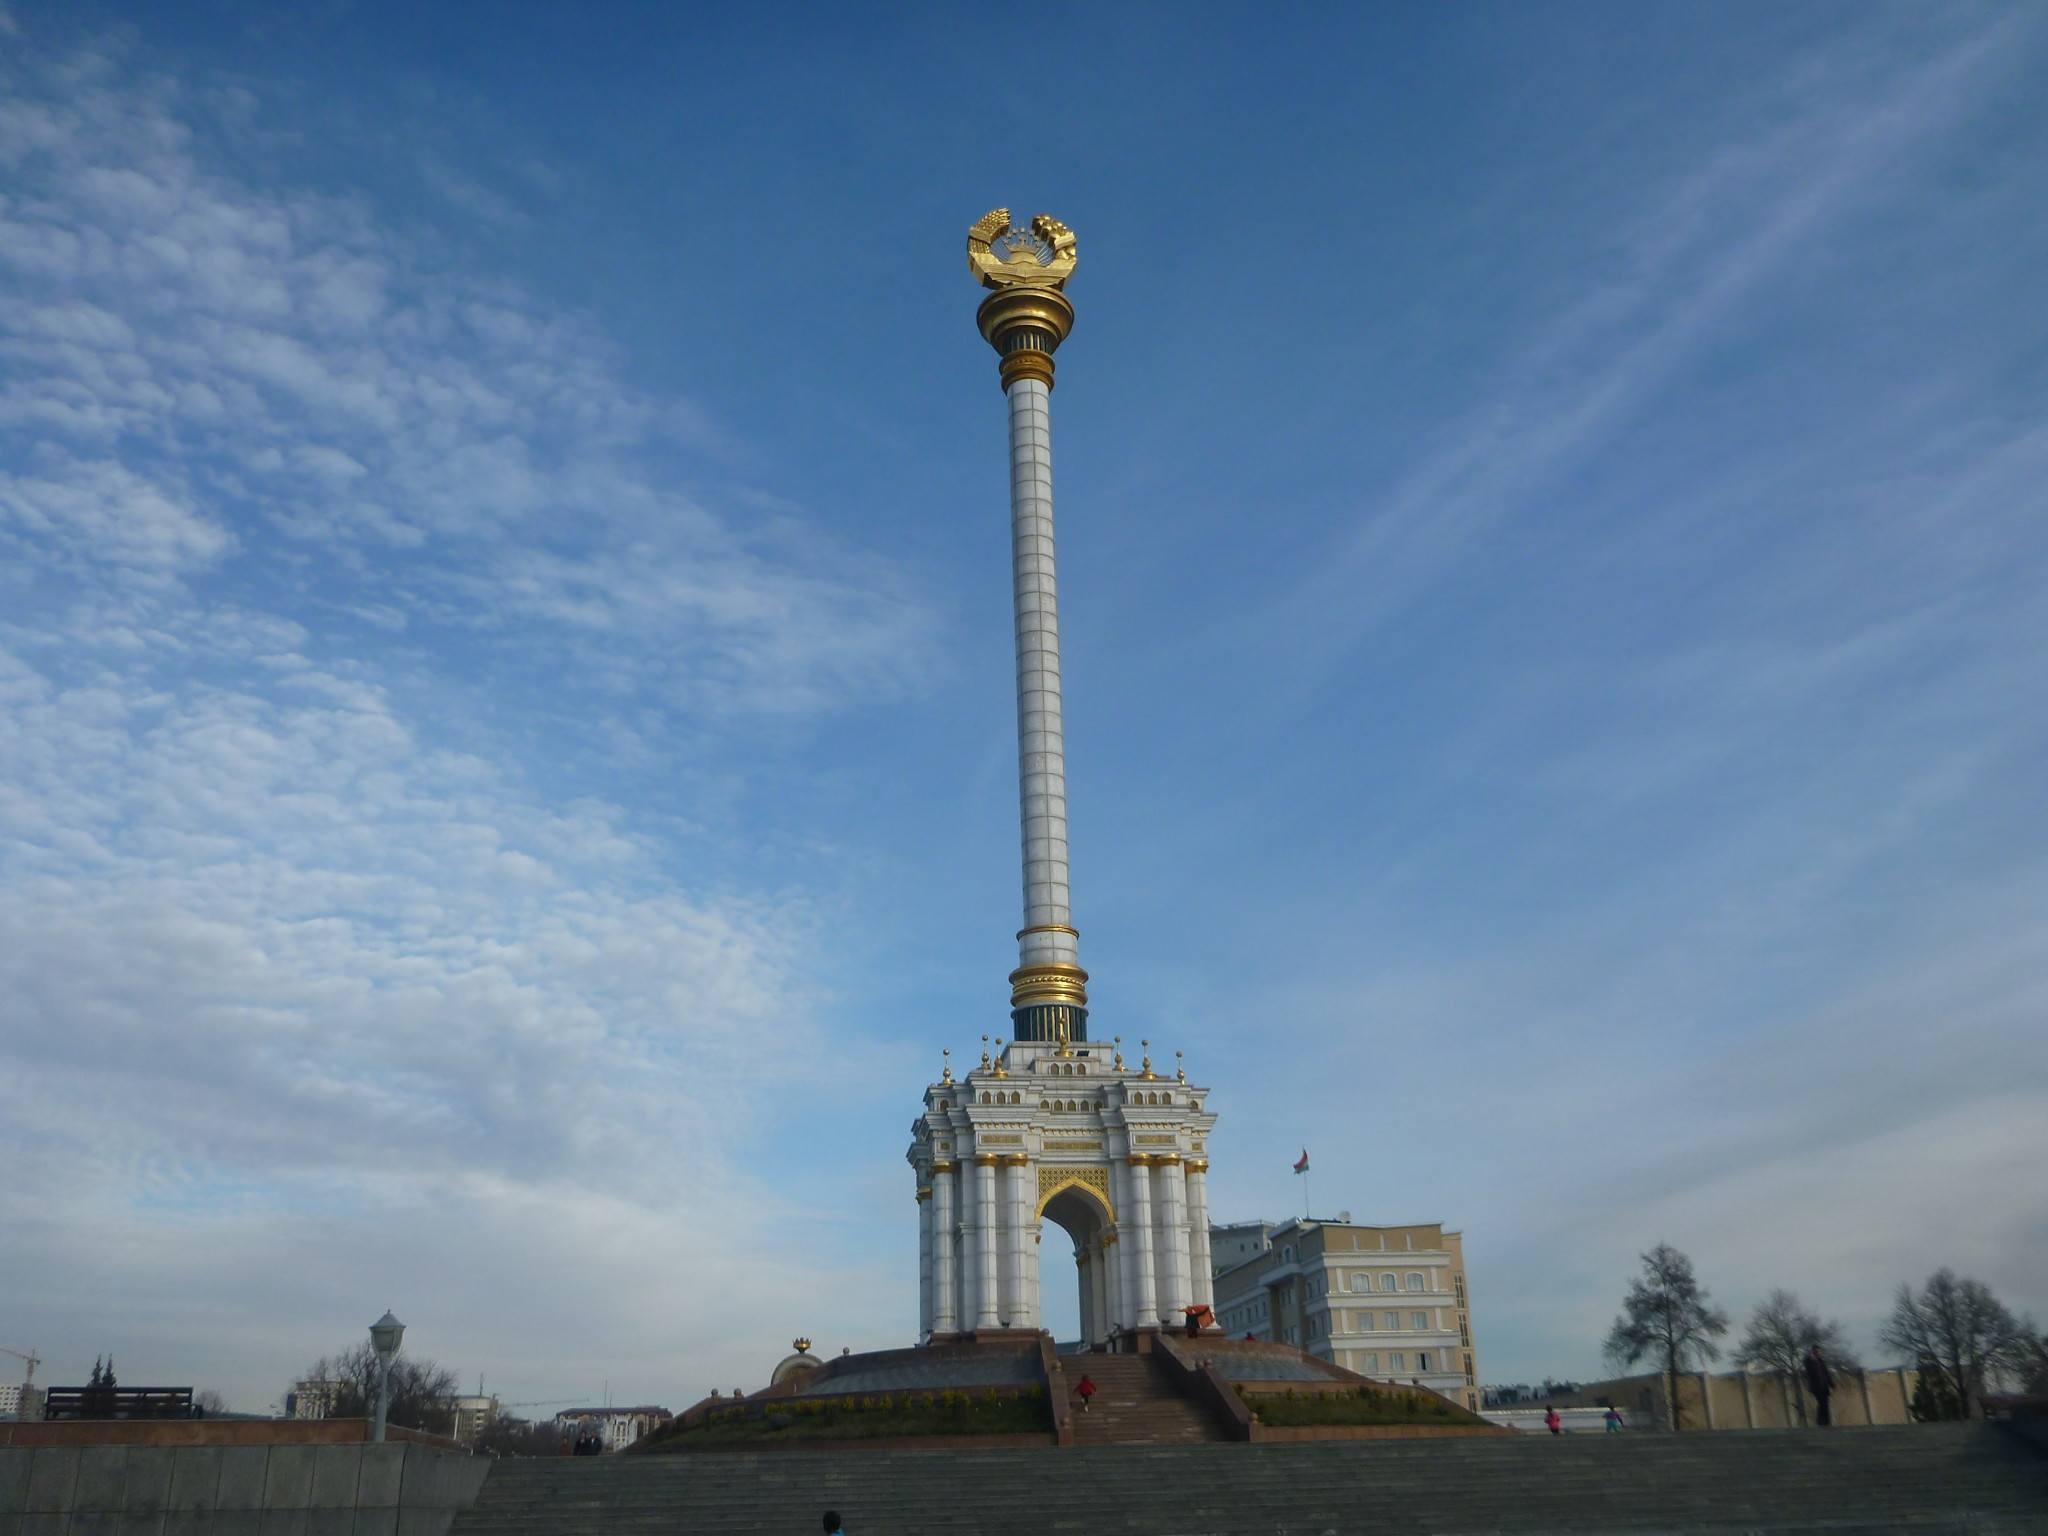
(1099, 1292)
(1048, 937)
(924, 1262)
(1018, 1290)
(945, 1227)
(1145, 1290)
(985, 1300)
(1177, 1287)
(1198, 1231)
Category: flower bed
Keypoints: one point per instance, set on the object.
(1360, 1405)
(880, 1417)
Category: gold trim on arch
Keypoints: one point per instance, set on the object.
(1094, 1180)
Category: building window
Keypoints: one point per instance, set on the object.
(1415, 1282)
(1419, 1321)
(1468, 1370)
(1361, 1282)
(1422, 1361)
(1397, 1362)
(1372, 1364)
(1365, 1322)
(1464, 1334)
(1389, 1283)
(1393, 1322)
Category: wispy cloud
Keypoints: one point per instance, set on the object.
(291, 967)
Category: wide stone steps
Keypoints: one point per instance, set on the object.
(1135, 1404)
(1956, 1479)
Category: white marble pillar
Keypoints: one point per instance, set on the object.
(1099, 1277)
(1198, 1231)
(924, 1262)
(1144, 1289)
(986, 1281)
(1114, 1285)
(1048, 936)
(1018, 1240)
(945, 1298)
(1177, 1284)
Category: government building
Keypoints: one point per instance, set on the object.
(1386, 1302)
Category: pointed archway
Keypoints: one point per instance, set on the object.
(1081, 1209)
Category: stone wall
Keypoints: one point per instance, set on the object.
(235, 1490)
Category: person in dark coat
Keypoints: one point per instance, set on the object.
(1820, 1384)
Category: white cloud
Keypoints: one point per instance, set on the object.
(311, 1000)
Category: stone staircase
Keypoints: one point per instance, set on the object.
(1935, 1478)
(1135, 1404)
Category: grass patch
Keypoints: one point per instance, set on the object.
(863, 1418)
(1361, 1405)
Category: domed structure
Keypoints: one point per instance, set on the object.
(802, 1360)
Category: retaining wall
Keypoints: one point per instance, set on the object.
(234, 1490)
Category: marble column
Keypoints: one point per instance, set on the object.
(924, 1262)
(1018, 1238)
(1048, 937)
(1177, 1285)
(1115, 1287)
(1198, 1231)
(1145, 1289)
(986, 1234)
(945, 1302)
(1099, 1274)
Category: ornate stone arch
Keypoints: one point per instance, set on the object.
(1090, 1181)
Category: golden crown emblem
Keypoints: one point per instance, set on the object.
(1006, 255)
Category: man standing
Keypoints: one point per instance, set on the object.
(1820, 1384)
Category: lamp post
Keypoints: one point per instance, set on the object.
(385, 1334)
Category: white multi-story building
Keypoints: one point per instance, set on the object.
(10, 1401)
(1387, 1302)
(313, 1398)
(617, 1427)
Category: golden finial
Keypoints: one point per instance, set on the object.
(1180, 1071)
(947, 1075)
(1118, 1041)
(803, 1346)
(984, 1053)
(1146, 1072)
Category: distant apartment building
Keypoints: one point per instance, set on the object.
(1387, 1302)
(474, 1415)
(311, 1399)
(10, 1401)
(616, 1427)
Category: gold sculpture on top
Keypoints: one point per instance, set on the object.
(1006, 255)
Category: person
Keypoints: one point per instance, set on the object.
(1820, 1384)
(1551, 1421)
(1194, 1323)
(1613, 1420)
(1086, 1390)
(832, 1525)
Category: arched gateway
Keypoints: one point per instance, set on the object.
(1052, 1130)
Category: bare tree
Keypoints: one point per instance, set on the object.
(422, 1392)
(1959, 1330)
(209, 1403)
(1779, 1334)
(1665, 1316)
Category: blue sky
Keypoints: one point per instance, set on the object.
(506, 759)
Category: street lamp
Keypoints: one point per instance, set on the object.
(384, 1336)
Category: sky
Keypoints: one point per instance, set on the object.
(506, 742)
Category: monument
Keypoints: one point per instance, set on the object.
(1051, 1126)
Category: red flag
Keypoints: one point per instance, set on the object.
(1302, 1166)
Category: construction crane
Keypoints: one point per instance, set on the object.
(31, 1359)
